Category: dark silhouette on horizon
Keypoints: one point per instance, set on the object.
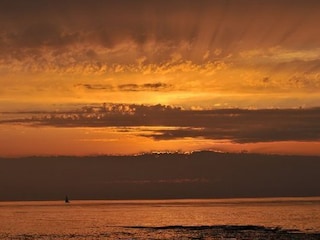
(160, 176)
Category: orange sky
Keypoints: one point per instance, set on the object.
(61, 57)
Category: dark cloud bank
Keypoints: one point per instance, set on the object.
(229, 25)
(236, 125)
(159, 176)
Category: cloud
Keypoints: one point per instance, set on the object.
(236, 125)
(160, 176)
(130, 87)
(280, 55)
(89, 86)
(145, 87)
(203, 26)
(199, 48)
(42, 35)
(251, 126)
(157, 85)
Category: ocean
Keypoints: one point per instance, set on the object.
(254, 218)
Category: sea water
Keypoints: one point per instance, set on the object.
(159, 219)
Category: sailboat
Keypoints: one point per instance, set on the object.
(66, 200)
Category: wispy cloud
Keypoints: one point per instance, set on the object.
(89, 86)
(145, 87)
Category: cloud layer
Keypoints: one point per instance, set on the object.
(159, 176)
(235, 125)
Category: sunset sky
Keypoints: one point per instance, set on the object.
(83, 77)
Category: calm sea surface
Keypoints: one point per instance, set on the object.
(156, 219)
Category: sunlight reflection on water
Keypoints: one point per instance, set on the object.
(115, 218)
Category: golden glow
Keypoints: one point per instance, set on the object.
(20, 141)
(203, 55)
